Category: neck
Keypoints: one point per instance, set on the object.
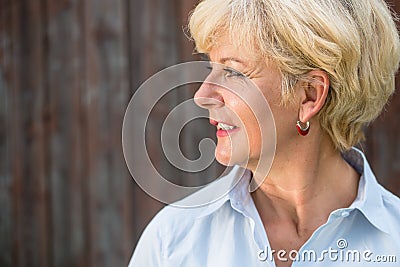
(312, 181)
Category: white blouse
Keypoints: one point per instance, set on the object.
(229, 232)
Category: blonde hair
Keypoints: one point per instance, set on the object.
(354, 41)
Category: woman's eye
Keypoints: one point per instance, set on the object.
(229, 72)
(208, 65)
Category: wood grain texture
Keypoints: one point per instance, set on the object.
(6, 200)
(68, 69)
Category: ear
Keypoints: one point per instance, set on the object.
(313, 94)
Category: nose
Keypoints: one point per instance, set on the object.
(208, 96)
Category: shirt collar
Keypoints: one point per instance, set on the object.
(236, 180)
(369, 199)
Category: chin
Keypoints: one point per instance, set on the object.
(230, 154)
(223, 160)
(224, 157)
(227, 159)
(226, 163)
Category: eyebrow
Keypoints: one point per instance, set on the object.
(225, 59)
(206, 57)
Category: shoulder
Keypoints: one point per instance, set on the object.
(391, 202)
(173, 219)
(179, 218)
(170, 226)
(183, 222)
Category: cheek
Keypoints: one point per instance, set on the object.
(254, 137)
(260, 126)
(251, 116)
(252, 131)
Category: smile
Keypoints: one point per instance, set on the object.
(224, 129)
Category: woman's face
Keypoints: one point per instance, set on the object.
(233, 108)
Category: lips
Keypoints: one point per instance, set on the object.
(223, 128)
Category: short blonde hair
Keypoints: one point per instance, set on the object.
(354, 41)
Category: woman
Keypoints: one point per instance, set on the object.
(326, 68)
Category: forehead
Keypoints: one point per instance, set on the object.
(224, 49)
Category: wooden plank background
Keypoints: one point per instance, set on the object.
(67, 71)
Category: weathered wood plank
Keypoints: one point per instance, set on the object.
(107, 94)
(65, 80)
(16, 138)
(27, 136)
(35, 180)
(149, 46)
(6, 219)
